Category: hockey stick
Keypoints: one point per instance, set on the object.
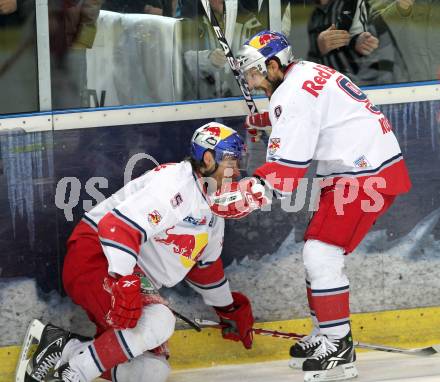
(426, 351)
(33, 332)
(191, 323)
(241, 81)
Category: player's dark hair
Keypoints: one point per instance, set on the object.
(275, 58)
(197, 165)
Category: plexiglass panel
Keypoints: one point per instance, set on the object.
(124, 53)
(374, 42)
(115, 52)
(18, 57)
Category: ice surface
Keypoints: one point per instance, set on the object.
(372, 367)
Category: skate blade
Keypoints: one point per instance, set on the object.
(33, 335)
(339, 373)
(296, 363)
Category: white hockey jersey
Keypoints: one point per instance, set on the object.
(319, 114)
(162, 222)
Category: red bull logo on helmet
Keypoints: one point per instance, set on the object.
(221, 132)
(214, 130)
(262, 40)
(188, 247)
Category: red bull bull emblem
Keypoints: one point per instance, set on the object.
(154, 217)
(262, 40)
(214, 130)
(274, 145)
(265, 38)
(188, 247)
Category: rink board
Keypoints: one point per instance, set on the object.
(189, 349)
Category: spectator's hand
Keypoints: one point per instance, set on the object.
(153, 10)
(405, 4)
(8, 6)
(218, 58)
(332, 38)
(366, 43)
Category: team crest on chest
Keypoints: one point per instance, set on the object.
(274, 145)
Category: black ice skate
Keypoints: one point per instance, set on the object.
(333, 360)
(52, 341)
(303, 349)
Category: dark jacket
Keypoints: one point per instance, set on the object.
(380, 66)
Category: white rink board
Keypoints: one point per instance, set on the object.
(372, 367)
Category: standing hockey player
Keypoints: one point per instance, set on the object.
(317, 113)
(156, 231)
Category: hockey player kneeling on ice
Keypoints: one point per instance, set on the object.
(161, 228)
(318, 114)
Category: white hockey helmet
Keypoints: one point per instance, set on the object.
(222, 140)
(260, 48)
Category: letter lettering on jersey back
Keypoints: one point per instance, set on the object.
(315, 86)
(323, 74)
(312, 88)
(320, 80)
(328, 69)
(385, 125)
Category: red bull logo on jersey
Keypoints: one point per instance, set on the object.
(188, 247)
(154, 218)
(262, 40)
(274, 145)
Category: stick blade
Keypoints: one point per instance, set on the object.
(206, 323)
(430, 350)
(33, 333)
(421, 352)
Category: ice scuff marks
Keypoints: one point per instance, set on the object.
(21, 301)
(415, 118)
(25, 158)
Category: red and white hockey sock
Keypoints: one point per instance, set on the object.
(114, 347)
(332, 310)
(328, 291)
(315, 330)
(108, 350)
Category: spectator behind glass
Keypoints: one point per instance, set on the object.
(72, 30)
(261, 8)
(416, 25)
(18, 57)
(153, 7)
(209, 73)
(342, 37)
